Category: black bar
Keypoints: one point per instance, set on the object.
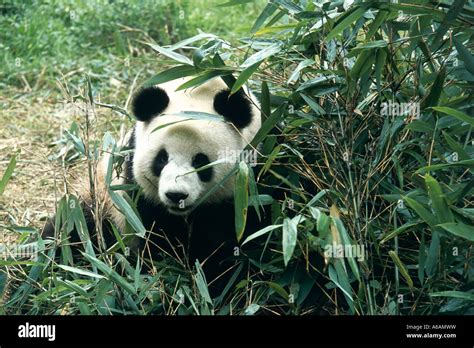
(334, 330)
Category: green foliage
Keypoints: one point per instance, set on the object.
(371, 97)
(102, 38)
(367, 131)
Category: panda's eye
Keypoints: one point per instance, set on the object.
(200, 160)
(160, 161)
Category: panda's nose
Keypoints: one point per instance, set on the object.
(175, 196)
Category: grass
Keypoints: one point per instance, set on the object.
(351, 171)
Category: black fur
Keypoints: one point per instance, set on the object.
(160, 162)
(207, 233)
(235, 108)
(200, 160)
(149, 102)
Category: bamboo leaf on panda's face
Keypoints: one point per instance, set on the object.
(241, 199)
(209, 165)
(198, 115)
(217, 186)
(191, 115)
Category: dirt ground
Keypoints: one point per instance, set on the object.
(26, 130)
(30, 125)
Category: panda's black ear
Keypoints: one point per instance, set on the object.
(149, 102)
(235, 108)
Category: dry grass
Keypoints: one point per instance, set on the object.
(31, 123)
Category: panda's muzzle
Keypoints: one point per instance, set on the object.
(176, 196)
(177, 202)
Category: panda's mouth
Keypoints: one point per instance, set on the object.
(179, 211)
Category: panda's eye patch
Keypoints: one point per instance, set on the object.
(200, 160)
(159, 162)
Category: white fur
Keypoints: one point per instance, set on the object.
(183, 140)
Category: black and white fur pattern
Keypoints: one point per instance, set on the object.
(168, 148)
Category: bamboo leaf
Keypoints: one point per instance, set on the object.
(459, 230)
(348, 19)
(110, 273)
(261, 55)
(438, 200)
(436, 89)
(171, 54)
(201, 79)
(455, 113)
(241, 198)
(171, 74)
(81, 272)
(455, 294)
(269, 9)
(402, 268)
(464, 55)
(8, 174)
(244, 76)
(421, 211)
(448, 21)
(261, 233)
(289, 238)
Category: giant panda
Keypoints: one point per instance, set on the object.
(168, 149)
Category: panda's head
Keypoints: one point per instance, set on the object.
(170, 146)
